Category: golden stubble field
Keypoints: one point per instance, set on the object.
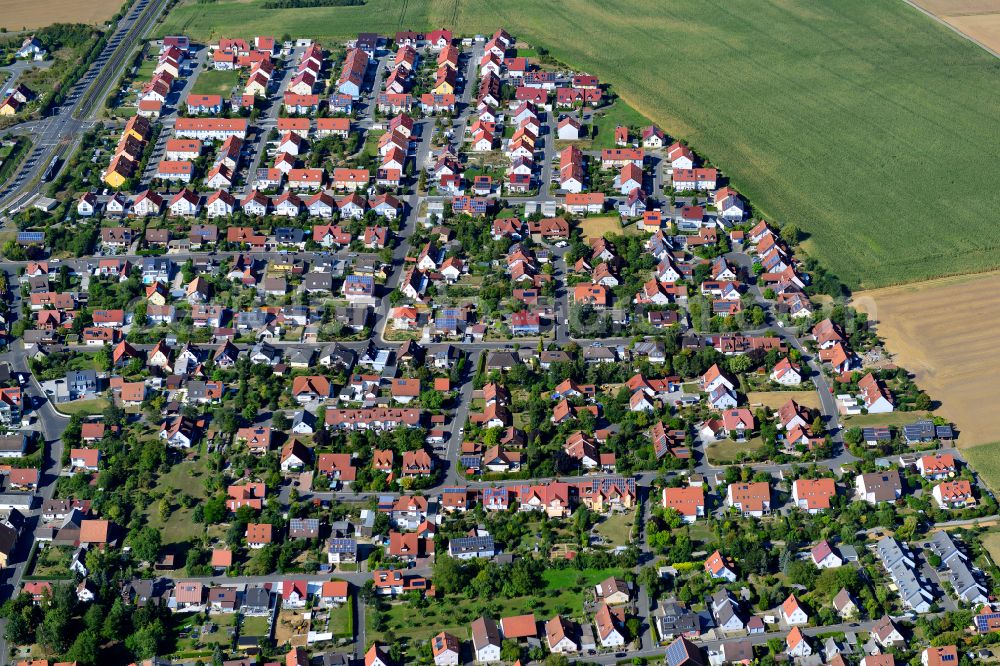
(978, 19)
(775, 399)
(947, 333)
(30, 14)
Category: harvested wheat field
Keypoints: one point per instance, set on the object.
(946, 332)
(29, 14)
(977, 19)
(983, 28)
(959, 7)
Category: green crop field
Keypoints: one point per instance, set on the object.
(985, 459)
(863, 122)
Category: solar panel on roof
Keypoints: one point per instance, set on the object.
(676, 653)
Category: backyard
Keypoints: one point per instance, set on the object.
(291, 628)
(255, 625)
(52, 562)
(607, 119)
(616, 528)
(183, 478)
(196, 636)
(726, 451)
(564, 593)
(89, 407)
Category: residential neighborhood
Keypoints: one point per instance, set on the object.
(401, 351)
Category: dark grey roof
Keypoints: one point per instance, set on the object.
(303, 527)
(476, 544)
(257, 597)
(342, 546)
(289, 235)
(8, 539)
(304, 416)
(300, 355)
(318, 281)
(675, 619)
(502, 359)
(920, 431)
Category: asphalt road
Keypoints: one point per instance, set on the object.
(50, 425)
(56, 136)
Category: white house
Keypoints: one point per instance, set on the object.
(714, 378)
(796, 644)
(786, 373)
(485, 640)
(558, 634)
(792, 612)
(445, 649)
(87, 205)
(824, 556)
(184, 204)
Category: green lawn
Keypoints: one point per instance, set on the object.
(192, 638)
(215, 82)
(370, 149)
(254, 626)
(52, 562)
(86, 407)
(616, 529)
(897, 418)
(863, 122)
(342, 620)
(146, 70)
(726, 451)
(699, 531)
(563, 593)
(606, 120)
(184, 477)
(560, 579)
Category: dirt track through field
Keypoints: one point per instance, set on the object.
(977, 19)
(947, 333)
(29, 14)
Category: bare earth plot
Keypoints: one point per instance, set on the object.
(18, 14)
(596, 227)
(979, 19)
(946, 332)
(775, 399)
